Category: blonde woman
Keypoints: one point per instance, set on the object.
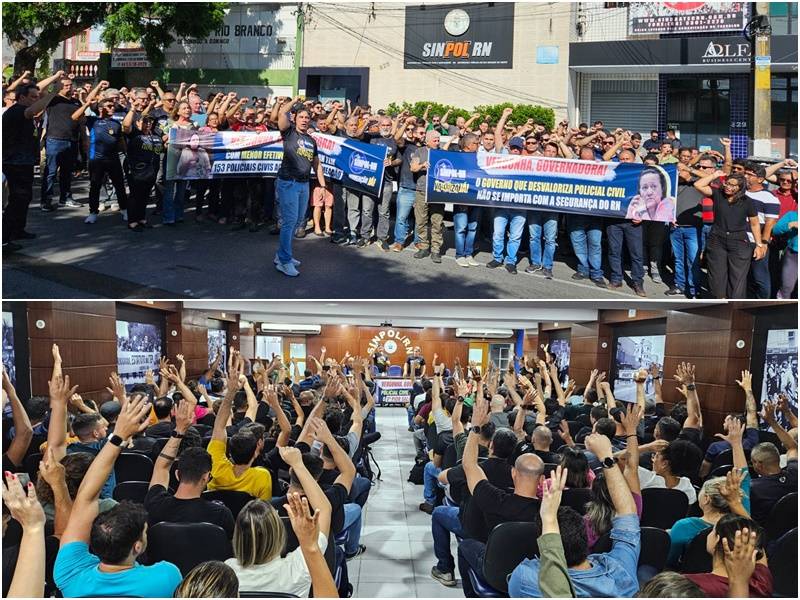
(212, 579)
(259, 538)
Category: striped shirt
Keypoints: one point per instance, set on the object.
(767, 206)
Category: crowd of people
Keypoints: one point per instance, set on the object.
(258, 474)
(734, 234)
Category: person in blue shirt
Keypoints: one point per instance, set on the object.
(92, 429)
(787, 225)
(608, 574)
(105, 139)
(117, 537)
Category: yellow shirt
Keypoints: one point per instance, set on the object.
(256, 481)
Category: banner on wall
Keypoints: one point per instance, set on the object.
(218, 344)
(138, 349)
(600, 189)
(634, 353)
(648, 18)
(780, 369)
(393, 392)
(214, 155)
(9, 356)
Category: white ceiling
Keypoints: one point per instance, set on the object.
(429, 313)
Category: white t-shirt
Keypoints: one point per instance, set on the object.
(288, 575)
(648, 479)
(767, 205)
(418, 400)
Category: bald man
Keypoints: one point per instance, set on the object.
(497, 414)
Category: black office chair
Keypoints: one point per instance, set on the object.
(723, 458)
(30, 465)
(695, 557)
(186, 545)
(508, 544)
(134, 491)
(576, 498)
(719, 471)
(449, 458)
(132, 466)
(782, 517)
(783, 565)
(662, 507)
(549, 468)
(234, 500)
(654, 548)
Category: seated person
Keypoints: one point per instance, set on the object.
(671, 467)
(193, 471)
(162, 408)
(117, 537)
(592, 575)
(92, 431)
(715, 584)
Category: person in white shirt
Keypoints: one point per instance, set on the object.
(669, 464)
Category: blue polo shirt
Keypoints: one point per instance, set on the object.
(104, 137)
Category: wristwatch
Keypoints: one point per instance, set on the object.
(477, 429)
(609, 462)
(113, 438)
(691, 387)
(175, 434)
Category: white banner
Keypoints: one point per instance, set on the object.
(129, 58)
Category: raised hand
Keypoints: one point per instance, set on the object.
(60, 391)
(731, 491)
(746, 382)
(551, 496)
(480, 411)
(184, 415)
(117, 388)
(291, 455)
(655, 370)
(640, 376)
(22, 503)
(51, 470)
(684, 373)
(305, 524)
(768, 411)
(599, 445)
(735, 431)
(740, 562)
(56, 354)
(132, 418)
(631, 419)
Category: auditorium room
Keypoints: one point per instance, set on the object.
(399, 449)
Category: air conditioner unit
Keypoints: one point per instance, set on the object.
(284, 328)
(484, 333)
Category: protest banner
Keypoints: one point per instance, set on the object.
(193, 154)
(512, 181)
(393, 392)
(139, 348)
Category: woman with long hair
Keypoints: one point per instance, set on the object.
(175, 189)
(729, 250)
(212, 579)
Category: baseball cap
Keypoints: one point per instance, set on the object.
(517, 142)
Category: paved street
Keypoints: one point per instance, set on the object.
(70, 259)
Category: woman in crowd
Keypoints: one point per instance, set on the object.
(175, 190)
(145, 148)
(212, 579)
(787, 225)
(652, 203)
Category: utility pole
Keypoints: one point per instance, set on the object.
(762, 97)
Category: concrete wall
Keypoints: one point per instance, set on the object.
(535, 23)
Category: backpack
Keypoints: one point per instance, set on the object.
(416, 476)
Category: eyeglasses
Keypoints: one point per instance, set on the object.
(706, 167)
(785, 180)
(607, 143)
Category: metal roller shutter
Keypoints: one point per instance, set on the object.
(627, 103)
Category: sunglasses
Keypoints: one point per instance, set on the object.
(785, 180)
(530, 143)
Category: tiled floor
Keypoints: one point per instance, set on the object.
(397, 534)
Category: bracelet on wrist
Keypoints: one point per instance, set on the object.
(167, 456)
(630, 435)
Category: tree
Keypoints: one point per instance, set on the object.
(35, 29)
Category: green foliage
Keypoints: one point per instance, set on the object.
(522, 112)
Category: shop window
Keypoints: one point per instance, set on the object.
(783, 18)
(784, 115)
(700, 110)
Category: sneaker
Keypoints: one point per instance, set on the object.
(124, 215)
(533, 268)
(91, 219)
(615, 284)
(600, 283)
(656, 276)
(362, 243)
(472, 262)
(426, 508)
(436, 257)
(383, 245)
(579, 276)
(352, 241)
(462, 261)
(548, 273)
(673, 291)
(114, 207)
(70, 203)
(287, 269)
(396, 247)
(137, 229)
(295, 262)
(493, 264)
(422, 253)
(447, 579)
(23, 235)
(300, 233)
(511, 268)
(361, 549)
(47, 207)
(639, 290)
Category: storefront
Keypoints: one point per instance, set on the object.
(697, 82)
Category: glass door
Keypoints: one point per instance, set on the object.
(699, 110)
(267, 345)
(500, 354)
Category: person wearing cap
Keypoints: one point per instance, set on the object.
(516, 145)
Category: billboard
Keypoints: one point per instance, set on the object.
(460, 36)
(780, 368)
(634, 353)
(648, 18)
(139, 348)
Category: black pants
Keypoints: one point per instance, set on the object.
(212, 186)
(98, 168)
(140, 196)
(631, 234)
(20, 194)
(729, 255)
(655, 234)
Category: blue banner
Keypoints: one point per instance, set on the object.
(601, 189)
(194, 154)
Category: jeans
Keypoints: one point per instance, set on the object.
(465, 224)
(60, 154)
(410, 415)
(760, 280)
(293, 200)
(359, 491)
(632, 235)
(470, 555)
(20, 194)
(704, 236)
(587, 237)
(686, 248)
(541, 223)
(444, 521)
(430, 481)
(405, 207)
(174, 195)
(352, 525)
(515, 220)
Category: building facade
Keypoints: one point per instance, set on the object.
(640, 69)
(461, 54)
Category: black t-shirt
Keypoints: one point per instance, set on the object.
(328, 477)
(689, 211)
(20, 141)
(299, 150)
(526, 446)
(161, 126)
(163, 506)
(160, 430)
(731, 217)
(60, 125)
(491, 506)
(387, 142)
(415, 364)
(497, 471)
(144, 150)
(573, 411)
(104, 137)
(407, 178)
(337, 496)
(381, 361)
(766, 490)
